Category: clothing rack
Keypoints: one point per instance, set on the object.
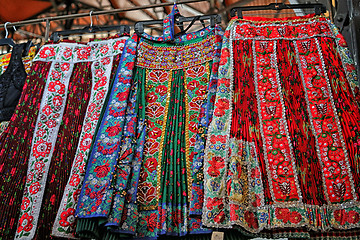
(105, 12)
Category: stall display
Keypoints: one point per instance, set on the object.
(253, 130)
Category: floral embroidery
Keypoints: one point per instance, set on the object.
(245, 128)
(25, 223)
(102, 170)
(105, 148)
(101, 71)
(202, 51)
(41, 153)
(47, 52)
(338, 180)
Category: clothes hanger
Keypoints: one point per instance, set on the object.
(55, 36)
(7, 41)
(175, 19)
(319, 8)
(27, 47)
(214, 19)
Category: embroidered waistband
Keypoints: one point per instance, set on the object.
(74, 52)
(314, 27)
(157, 56)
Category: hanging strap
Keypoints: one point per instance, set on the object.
(169, 23)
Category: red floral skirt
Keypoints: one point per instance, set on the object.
(283, 148)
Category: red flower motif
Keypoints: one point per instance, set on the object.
(155, 110)
(197, 71)
(57, 101)
(57, 86)
(47, 52)
(216, 163)
(67, 217)
(27, 221)
(34, 188)
(25, 203)
(41, 148)
(155, 133)
(283, 214)
(143, 176)
(214, 202)
(53, 199)
(105, 60)
(30, 177)
(104, 49)
(193, 84)
(51, 123)
(118, 45)
(151, 97)
(151, 164)
(193, 127)
(121, 96)
(146, 192)
(55, 74)
(201, 91)
(92, 107)
(86, 142)
(101, 82)
(341, 216)
(350, 67)
(251, 220)
(99, 72)
(161, 90)
(224, 81)
(158, 76)
(67, 54)
(295, 217)
(83, 53)
(76, 194)
(74, 180)
(47, 110)
(39, 165)
(102, 170)
(353, 217)
(221, 105)
(100, 95)
(151, 222)
(220, 217)
(113, 130)
(151, 146)
(196, 103)
(225, 53)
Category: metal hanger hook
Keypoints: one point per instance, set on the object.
(91, 20)
(6, 31)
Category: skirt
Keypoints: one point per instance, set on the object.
(140, 179)
(282, 150)
(75, 91)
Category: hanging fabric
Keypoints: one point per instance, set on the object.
(96, 197)
(282, 148)
(76, 88)
(4, 63)
(15, 145)
(171, 78)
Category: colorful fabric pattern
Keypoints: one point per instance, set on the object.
(15, 148)
(63, 57)
(97, 193)
(64, 149)
(282, 147)
(27, 60)
(101, 72)
(175, 92)
(45, 135)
